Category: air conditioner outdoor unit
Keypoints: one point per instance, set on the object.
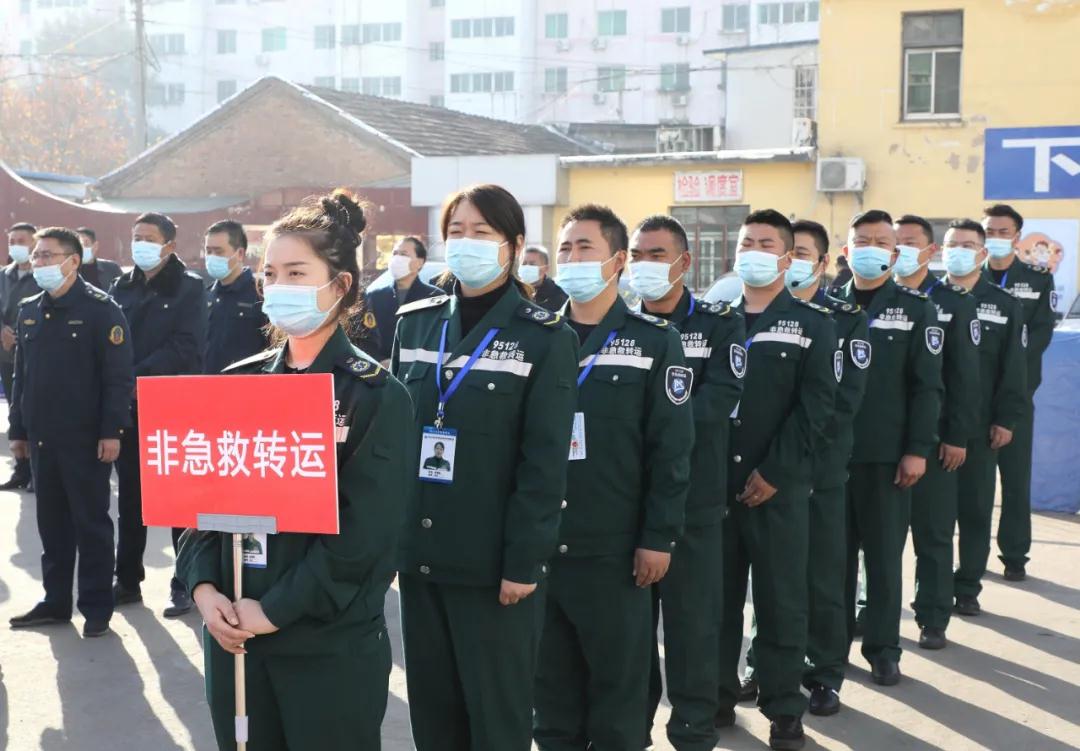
(841, 174)
(599, 43)
(680, 100)
(683, 39)
(262, 60)
(599, 97)
(803, 132)
(563, 45)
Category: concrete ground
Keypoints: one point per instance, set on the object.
(1009, 679)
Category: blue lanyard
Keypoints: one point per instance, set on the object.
(934, 286)
(1004, 280)
(592, 360)
(693, 304)
(444, 396)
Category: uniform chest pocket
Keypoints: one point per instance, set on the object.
(615, 393)
(773, 358)
(414, 377)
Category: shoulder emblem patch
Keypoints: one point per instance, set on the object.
(677, 384)
(860, 353)
(427, 302)
(538, 314)
(737, 359)
(1054, 300)
(976, 332)
(958, 289)
(838, 365)
(935, 339)
(369, 320)
(116, 335)
(658, 322)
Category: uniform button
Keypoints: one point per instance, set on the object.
(166, 305)
(890, 337)
(563, 504)
(737, 459)
(241, 314)
(736, 422)
(615, 377)
(74, 335)
(783, 354)
(48, 315)
(563, 548)
(425, 523)
(449, 374)
(425, 569)
(672, 543)
(40, 443)
(543, 568)
(491, 387)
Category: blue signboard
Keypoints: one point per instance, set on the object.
(1032, 163)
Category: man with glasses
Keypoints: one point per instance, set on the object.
(69, 409)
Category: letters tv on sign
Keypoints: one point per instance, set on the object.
(1032, 163)
(258, 445)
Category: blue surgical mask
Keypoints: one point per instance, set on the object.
(651, 280)
(583, 280)
(999, 247)
(19, 253)
(146, 255)
(51, 278)
(870, 262)
(295, 308)
(959, 261)
(529, 274)
(218, 266)
(907, 263)
(474, 262)
(756, 267)
(800, 274)
(87, 254)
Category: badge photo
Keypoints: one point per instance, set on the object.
(935, 339)
(860, 353)
(737, 357)
(438, 449)
(838, 365)
(976, 332)
(254, 547)
(677, 384)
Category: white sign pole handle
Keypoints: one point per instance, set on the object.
(239, 680)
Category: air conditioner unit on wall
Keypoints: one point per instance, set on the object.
(563, 45)
(803, 132)
(841, 174)
(599, 43)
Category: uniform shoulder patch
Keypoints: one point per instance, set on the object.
(839, 306)
(247, 362)
(935, 339)
(678, 383)
(116, 335)
(814, 306)
(96, 294)
(530, 311)
(32, 299)
(913, 292)
(658, 322)
(714, 308)
(369, 320)
(1034, 267)
(427, 302)
(364, 368)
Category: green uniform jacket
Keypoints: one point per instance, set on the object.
(499, 518)
(959, 360)
(712, 339)
(852, 339)
(1033, 287)
(1001, 357)
(788, 394)
(900, 409)
(630, 489)
(316, 588)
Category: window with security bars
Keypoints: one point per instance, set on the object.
(806, 91)
(933, 43)
(713, 232)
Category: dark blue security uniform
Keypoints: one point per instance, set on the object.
(381, 307)
(15, 286)
(237, 322)
(73, 381)
(167, 316)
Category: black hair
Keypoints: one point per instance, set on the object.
(658, 222)
(162, 222)
(611, 226)
(23, 227)
(237, 237)
(88, 232)
(333, 226)
(418, 246)
(873, 216)
(68, 240)
(927, 229)
(439, 445)
(842, 261)
(541, 251)
(815, 230)
(773, 218)
(1004, 209)
(969, 224)
(503, 214)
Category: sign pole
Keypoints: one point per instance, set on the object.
(239, 679)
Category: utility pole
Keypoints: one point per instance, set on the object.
(140, 92)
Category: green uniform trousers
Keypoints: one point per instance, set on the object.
(772, 540)
(826, 642)
(302, 702)
(470, 665)
(1014, 460)
(878, 517)
(974, 516)
(689, 597)
(593, 678)
(933, 520)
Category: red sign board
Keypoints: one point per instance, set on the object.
(255, 445)
(698, 187)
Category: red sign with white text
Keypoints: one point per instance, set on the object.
(254, 445)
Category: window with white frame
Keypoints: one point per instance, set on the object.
(470, 28)
(380, 32)
(436, 50)
(933, 43)
(675, 20)
(735, 18)
(225, 89)
(167, 44)
(226, 41)
(675, 77)
(611, 78)
(325, 37)
(556, 26)
(802, 11)
(806, 91)
(350, 35)
(611, 23)
(555, 80)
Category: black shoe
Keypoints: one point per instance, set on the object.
(786, 733)
(967, 605)
(824, 701)
(724, 718)
(748, 689)
(181, 603)
(859, 622)
(932, 638)
(17, 482)
(40, 615)
(94, 628)
(124, 596)
(885, 671)
(1015, 573)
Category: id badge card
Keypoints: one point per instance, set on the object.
(438, 449)
(254, 547)
(577, 438)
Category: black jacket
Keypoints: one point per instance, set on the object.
(383, 304)
(236, 323)
(101, 273)
(550, 295)
(13, 290)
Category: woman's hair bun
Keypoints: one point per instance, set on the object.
(345, 210)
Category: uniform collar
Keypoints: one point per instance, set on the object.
(681, 311)
(243, 283)
(884, 296)
(613, 320)
(73, 295)
(164, 282)
(501, 313)
(982, 284)
(780, 304)
(336, 350)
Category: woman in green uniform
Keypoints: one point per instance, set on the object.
(311, 617)
(492, 375)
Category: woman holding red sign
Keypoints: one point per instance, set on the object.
(492, 375)
(310, 621)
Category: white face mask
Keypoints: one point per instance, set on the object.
(400, 266)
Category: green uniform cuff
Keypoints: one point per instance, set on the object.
(658, 541)
(521, 572)
(920, 449)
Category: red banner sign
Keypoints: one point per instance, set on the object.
(256, 445)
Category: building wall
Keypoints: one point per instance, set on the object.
(761, 104)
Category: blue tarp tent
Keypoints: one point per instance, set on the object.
(1055, 470)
